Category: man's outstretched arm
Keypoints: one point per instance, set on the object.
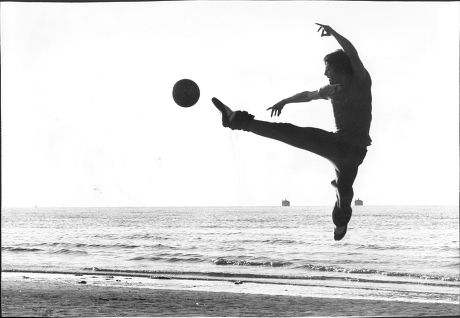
(347, 47)
(324, 92)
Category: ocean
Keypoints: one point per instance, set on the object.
(390, 252)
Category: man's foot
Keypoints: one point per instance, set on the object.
(227, 113)
(339, 232)
(233, 119)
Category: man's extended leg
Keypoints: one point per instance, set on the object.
(312, 139)
(315, 140)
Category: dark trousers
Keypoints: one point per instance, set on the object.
(345, 157)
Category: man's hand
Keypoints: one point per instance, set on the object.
(348, 48)
(325, 29)
(329, 91)
(277, 108)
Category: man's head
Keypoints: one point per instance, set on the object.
(338, 67)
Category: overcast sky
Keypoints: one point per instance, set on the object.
(88, 117)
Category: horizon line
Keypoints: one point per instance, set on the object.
(223, 206)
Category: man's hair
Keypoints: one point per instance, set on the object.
(340, 61)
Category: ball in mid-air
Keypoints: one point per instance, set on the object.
(186, 93)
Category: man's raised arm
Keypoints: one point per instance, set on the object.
(347, 47)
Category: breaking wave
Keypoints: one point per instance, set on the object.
(20, 249)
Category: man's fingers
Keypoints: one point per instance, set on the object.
(321, 26)
(275, 112)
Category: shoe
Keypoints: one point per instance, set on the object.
(339, 232)
(341, 217)
(227, 113)
(239, 120)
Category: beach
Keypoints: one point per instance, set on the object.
(24, 294)
(228, 261)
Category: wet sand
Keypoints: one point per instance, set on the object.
(53, 298)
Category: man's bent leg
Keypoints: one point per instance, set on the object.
(326, 145)
(341, 214)
(345, 178)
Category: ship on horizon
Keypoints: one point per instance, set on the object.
(285, 203)
(359, 202)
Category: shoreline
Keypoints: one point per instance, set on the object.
(315, 287)
(96, 295)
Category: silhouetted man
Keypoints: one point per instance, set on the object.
(349, 91)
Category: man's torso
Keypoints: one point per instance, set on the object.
(353, 111)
